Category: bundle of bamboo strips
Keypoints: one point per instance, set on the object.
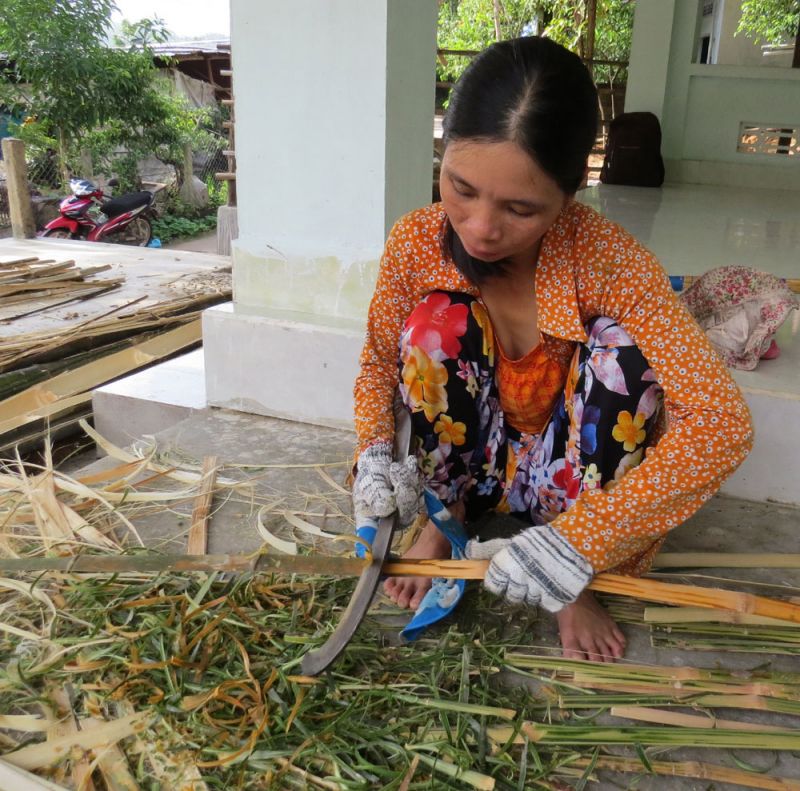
(34, 279)
(47, 375)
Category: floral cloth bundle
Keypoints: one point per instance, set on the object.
(740, 310)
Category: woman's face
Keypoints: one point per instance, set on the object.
(499, 201)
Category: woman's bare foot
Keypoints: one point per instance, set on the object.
(432, 543)
(588, 632)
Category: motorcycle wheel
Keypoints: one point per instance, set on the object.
(138, 232)
(58, 233)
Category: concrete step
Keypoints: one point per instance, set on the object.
(152, 400)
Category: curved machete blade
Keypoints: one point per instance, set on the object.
(314, 662)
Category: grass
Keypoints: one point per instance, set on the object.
(194, 678)
(169, 227)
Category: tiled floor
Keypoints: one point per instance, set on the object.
(693, 228)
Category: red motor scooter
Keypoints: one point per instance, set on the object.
(90, 215)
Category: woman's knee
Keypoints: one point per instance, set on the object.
(617, 362)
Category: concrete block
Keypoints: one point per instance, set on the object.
(772, 390)
(150, 401)
(282, 364)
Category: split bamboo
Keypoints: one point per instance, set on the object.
(693, 769)
(726, 560)
(198, 533)
(661, 717)
(98, 372)
(646, 589)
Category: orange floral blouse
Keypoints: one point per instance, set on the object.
(588, 266)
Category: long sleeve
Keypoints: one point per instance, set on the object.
(709, 430)
(412, 266)
(378, 376)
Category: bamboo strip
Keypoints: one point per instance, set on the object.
(112, 764)
(27, 272)
(16, 261)
(649, 590)
(728, 560)
(59, 301)
(663, 735)
(693, 769)
(674, 615)
(197, 542)
(670, 593)
(36, 756)
(12, 778)
(661, 717)
(99, 371)
(65, 422)
(54, 284)
(61, 292)
(48, 410)
(64, 728)
(24, 722)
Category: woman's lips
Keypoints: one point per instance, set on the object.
(480, 253)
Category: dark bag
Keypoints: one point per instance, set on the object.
(633, 151)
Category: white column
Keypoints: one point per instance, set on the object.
(648, 70)
(334, 141)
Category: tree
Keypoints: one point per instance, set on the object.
(770, 21)
(474, 24)
(66, 79)
(773, 22)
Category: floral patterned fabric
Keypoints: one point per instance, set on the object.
(740, 309)
(605, 416)
(587, 267)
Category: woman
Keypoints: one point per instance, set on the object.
(549, 370)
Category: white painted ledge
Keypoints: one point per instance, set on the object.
(281, 364)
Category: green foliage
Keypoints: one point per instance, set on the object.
(66, 78)
(142, 33)
(172, 226)
(217, 191)
(179, 125)
(770, 21)
(470, 24)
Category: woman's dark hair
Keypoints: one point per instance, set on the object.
(532, 92)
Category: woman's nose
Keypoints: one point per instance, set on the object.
(486, 224)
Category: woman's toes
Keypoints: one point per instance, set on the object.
(418, 596)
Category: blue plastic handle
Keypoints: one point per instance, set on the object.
(367, 533)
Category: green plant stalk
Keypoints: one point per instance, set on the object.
(660, 736)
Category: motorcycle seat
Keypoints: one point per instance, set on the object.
(128, 202)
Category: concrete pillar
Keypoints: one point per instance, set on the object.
(19, 195)
(648, 71)
(334, 141)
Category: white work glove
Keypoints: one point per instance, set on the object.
(382, 485)
(538, 566)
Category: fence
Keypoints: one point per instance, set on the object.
(5, 218)
(45, 179)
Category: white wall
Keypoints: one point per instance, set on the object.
(736, 50)
(334, 141)
(701, 106)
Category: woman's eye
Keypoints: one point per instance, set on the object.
(520, 212)
(462, 190)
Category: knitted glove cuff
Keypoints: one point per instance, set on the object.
(539, 566)
(380, 453)
(373, 493)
